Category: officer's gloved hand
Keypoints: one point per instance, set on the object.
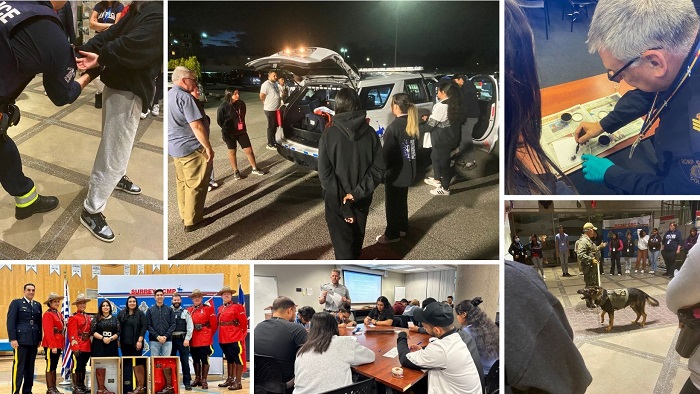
(594, 167)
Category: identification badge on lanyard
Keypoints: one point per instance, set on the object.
(240, 125)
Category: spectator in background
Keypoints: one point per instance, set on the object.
(642, 251)
(444, 127)
(188, 144)
(540, 354)
(400, 306)
(628, 251)
(336, 354)
(283, 89)
(231, 118)
(304, 315)
(382, 314)
(400, 140)
(517, 250)
(270, 96)
(279, 337)
(562, 250)
(104, 15)
(691, 240)
(672, 240)
(654, 249)
(350, 167)
(536, 254)
(615, 248)
(411, 306)
(469, 116)
(481, 328)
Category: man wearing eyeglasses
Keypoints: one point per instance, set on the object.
(652, 45)
(188, 145)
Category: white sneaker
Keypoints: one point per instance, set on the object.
(627, 271)
(635, 271)
(145, 114)
(642, 271)
(432, 181)
(619, 274)
(155, 111)
(439, 191)
(651, 272)
(544, 276)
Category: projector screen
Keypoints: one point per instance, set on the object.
(364, 288)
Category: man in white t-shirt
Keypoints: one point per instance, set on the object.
(451, 369)
(270, 96)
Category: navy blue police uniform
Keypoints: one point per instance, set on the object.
(676, 140)
(24, 326)
(32, 41)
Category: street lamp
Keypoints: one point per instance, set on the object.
(205, 35)
(343, 51)
(372, 61)
(384, 64)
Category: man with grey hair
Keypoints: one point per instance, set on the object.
(653, 46)
(188, 144)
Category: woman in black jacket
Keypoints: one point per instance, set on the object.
(400, 157)
(231, 118)
(132, 328)
(615, 248)
(628, 251)
(517, 250)
(350, 167)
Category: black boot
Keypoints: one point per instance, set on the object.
(98, 100)
(40, 205)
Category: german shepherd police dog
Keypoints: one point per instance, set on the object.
(618, 299)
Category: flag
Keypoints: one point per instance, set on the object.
(67, 363)
(241, 296)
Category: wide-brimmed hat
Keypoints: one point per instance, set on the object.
(196, 293)
(82, 298)
(53, 296)
(589, 226)
(226, 289)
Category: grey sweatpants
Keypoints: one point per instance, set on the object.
(120, 120)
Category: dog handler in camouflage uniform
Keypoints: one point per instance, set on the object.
(589, 255)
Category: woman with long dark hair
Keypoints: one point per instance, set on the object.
(642, 251)
(615, 248)
(528, 169)
(382, 314)
(517, 250)
(350, 167)
(400, 140)
(231, 118)
(105, 331)
(132, 324)
(536, 254)
(482, 329)
(324, 346)
(444, 127)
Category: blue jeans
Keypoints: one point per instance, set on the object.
(653, 257)
(160, 349)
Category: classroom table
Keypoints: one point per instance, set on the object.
(560, 97)
(380, 340)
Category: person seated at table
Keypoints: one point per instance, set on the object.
(409, 308)
(658, 59)
(484, 331)
(400, 306)
(323, 363)
(418, 327)
(530, 170)
(451, 368)
(382, 314)
(343, 316)
(304, 315)
(280, 337)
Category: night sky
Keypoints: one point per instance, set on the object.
(448, 35)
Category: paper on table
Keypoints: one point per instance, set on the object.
(392, 353)
(564, 149)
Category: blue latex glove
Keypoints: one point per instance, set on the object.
(594, 167)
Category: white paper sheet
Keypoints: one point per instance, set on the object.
(391, 353)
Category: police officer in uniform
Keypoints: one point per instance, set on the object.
(24, 330)
(205, 325)
(32, 41)
(668, 82)
(233, 328)
(79, 335)
(333, 288)
(589, 256)
(181, 338)
(54, 327)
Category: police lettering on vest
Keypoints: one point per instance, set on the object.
(7, 12)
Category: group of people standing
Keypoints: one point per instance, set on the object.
(172, 330)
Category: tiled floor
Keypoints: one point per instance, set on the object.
(58, 146)
(629, 358)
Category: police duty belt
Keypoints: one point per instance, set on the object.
(8, 118)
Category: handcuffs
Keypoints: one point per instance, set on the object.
(689, 337)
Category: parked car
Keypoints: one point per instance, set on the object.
(246, 78)
(325, 72)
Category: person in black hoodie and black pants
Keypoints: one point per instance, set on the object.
(131, 53)
(400, 141)
(350, 167)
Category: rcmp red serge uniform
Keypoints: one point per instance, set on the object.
(233, 326)
(202, 316)
(53, 325)
(79, 330)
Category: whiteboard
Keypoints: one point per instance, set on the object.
(264, 293)
(399, 293)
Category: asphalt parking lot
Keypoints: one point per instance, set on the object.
(280, 215)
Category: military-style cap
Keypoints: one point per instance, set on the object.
(82, 298)
(226, 289)
(53, 296)
(589, 226)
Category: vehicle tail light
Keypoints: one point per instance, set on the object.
(493, 110)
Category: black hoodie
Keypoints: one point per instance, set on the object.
(132, 51)
(350, 158)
